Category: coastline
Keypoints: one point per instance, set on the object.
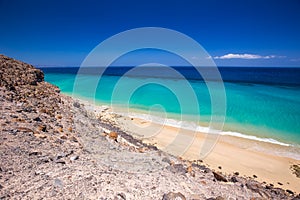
(250, 158)
(174, 121)
(54, 147)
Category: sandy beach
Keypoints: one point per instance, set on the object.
(229, 155)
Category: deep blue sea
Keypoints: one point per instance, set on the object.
(262, 103)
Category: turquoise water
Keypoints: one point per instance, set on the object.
(265, 111)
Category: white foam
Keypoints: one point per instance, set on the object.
(252, 137)
(194, 127)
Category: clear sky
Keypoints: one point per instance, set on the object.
(241, 32)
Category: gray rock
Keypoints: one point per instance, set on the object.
(37, 119)
(76, 104)
(58, 183)
(234, 179)
(72, 158)
(120, 196)
(236, 173)
(173, 196)
(178, 168)
(220, 177)
(269, 187)
(289, 191)
(257, 187)
(166, 160)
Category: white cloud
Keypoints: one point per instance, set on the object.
(246, 56)
(268, 57)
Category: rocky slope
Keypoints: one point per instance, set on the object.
(54, 147)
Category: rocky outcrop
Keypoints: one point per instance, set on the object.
(15, 73)
(24, 84)
(296, 170)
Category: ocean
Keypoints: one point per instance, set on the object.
(262, 103)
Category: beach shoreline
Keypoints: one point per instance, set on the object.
(262, 161)
(188, 122)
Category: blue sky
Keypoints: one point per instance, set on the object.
(234, 33)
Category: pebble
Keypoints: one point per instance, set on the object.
(207, 170)
(37, 119)
(42, 136)
(113, 135)
(189, 169)
(167, 160)
(289, 191)
(58, 183)
(76, 104)
(173, 196)
(236, 173)
(122, 196)
(178, 168)
(34, 153)
(63, 137)
(14, 131)
(39, 173)
(74, 139)
(61, 162)
(269, 187)
(219, 177)
(42, 128)
(234, 179)
(72, 158)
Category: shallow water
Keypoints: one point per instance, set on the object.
(263, 111)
